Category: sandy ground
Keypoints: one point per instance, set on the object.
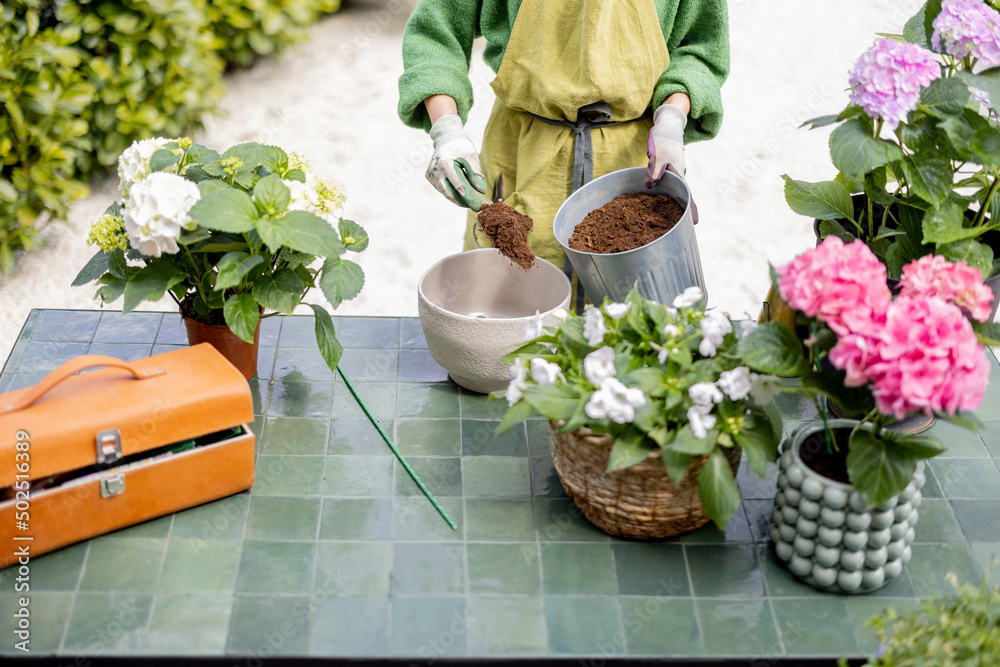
(333, 99)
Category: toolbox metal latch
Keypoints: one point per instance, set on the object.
(109, 446)
(113, 485)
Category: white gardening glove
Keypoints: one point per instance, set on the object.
(666, 143)
(454, 169)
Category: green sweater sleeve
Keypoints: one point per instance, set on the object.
(437, 48)
(697, 34)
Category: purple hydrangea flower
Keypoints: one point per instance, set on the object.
(886, 80)
(968, 27)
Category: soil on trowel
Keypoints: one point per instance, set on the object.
(508, 230)
(625, 223)
(833, 465)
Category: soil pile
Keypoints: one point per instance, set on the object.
(508, 230)
(625, 223)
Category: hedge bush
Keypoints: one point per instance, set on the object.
(80, 80)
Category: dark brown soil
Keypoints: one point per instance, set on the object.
(625, 223)
(216, 317)
(833, 465)
(508, 230)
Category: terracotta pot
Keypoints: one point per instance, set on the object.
(240, 354)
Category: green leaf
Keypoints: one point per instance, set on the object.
(914, 31)
(966, 420)
(988, 333)
(210, 186)
(110, 287)
(229, 210)
(821, 121)
(759, 444)
(196, 235)
(555, 401)
(311, 233)
(242, 315)
(686, 443)
(773, 413)
(95, 267)
(281, 291)
(515, 414)
(774, 349)
(944, 224)
(931, 10)
(677, 464)
(150, 283)
(930, 177)
(830, 227)
(919, 445)
(827, 200)
(855, 151)
(876, 469)
(233, 266)
(341, 280)
(945, 96)
(629, 449)
(717, 489)
(353, 236)
(970, 251)
(326, 337)
(163, 159)
(271, 196)
(984, 81)
(273, 232)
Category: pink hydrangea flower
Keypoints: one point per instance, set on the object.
(928, 359)
(854, 353)
(886, 80)
(968, 28)
(840, 284)
(957, 282)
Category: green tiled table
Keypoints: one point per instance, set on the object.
(334, 552)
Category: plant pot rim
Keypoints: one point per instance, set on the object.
(800, 434)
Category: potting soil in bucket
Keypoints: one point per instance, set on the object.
(662, 268)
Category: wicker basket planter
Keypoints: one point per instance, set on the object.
(640, 502)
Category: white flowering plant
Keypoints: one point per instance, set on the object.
(654, 378)
(227, 235)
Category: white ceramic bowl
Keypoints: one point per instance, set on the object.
(473, 307)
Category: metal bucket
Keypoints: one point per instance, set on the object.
(663, 268)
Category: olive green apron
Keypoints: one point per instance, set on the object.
(549, 132)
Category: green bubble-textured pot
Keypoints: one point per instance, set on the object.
(825, 532)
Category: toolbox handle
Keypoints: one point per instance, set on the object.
(72, 367)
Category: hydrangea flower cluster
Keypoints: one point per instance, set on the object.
(157, 209)
(133, 163)
(323, 197)
(933, 275)
(886, 80)
(968, 28)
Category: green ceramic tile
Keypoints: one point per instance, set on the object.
(987, 555)
(479, 439)
(42, 357)
(223, 519)
(188, 625)
(492, 520)
(159, 527)
(378, 397)
(729, 570)
(260, 392)
(754, 487)
(266, 625)
(936, 523)
(359, 437)
(414, 519)
(559, 520)
(428, 401)
(961, 442)
(295, 331)
(132, 328)
(758, 514)
(991, 437)
(419, 366)
(66, 325)
(738, 628)
(300, 399)
(370, 365)
(478, 406)
(352, 568)
(545, 482)
(48, 615)
(862, 608)
(590, 625)
(651, 568)
(172, 330)
(356, 519)
(276, 568)
(283, 518)
(429, 437)
(504, 569)
(358, 476)
(22, 380)
(289, 476)
(411, 334)
(55, 571)
(301, 364)
(107, 623)
(200, 566)
(441, 475)
(265, 362)
(506, 626)
(539, 438)
(578, 569)
(428, 627)
(159, 349)
(123, 351)
(815, 626)
(737, 529)
(795, 408)
(347, 627)
(428, 569)
(123, 565)
(931, 562)
(979, 520)
(931, 487)
(496, 476)
(967, 478)
(660, 626)
(294, 435)
(369, 332)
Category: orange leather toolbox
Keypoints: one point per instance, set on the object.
(82, 455)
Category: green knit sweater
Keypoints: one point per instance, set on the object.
(437, 48)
